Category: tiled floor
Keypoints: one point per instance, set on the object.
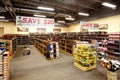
(36, 67)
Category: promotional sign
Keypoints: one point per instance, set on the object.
(33, 21)
(103, 26)
(87, 25)
(41, 30)
(22, 29)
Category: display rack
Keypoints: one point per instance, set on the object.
(113, 45)
(114, 48)
(42, 45)
(4, 66)
(66, 46)
(8, 45)
(114, 36)
(23, 39)
(85, 58)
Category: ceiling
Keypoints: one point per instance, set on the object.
(63, 8)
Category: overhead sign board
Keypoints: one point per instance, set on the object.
(33, 21)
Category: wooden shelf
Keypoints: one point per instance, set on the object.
(42, 46)
(5, 71)
(67, 47)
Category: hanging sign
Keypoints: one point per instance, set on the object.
(33, 21)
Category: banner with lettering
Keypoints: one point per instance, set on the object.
(87, 25)
(33, 21)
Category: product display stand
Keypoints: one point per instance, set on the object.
(111, 75)
(85, 58)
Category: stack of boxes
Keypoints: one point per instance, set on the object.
(84, 57)
(4, 66)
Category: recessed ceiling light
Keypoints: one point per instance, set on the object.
(45, 8)
(2, 17)
(83, 14)
(39, 15)
(109, 5)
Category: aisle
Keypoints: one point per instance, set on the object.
(36, 67)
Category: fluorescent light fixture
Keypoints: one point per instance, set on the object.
(2, 17)
(39, 15)
(61, 21)
(4, 20)
(37, 11)
(83, 14)
(45, 8)
(70, 18)
(109, 5)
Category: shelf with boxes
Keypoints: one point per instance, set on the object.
(48, 37)
(114, 36)
(113, 45)
(23, 39)
(84, 57)
(4, 65)
(113, 48)
(8, 45)
(49, 49)
(66, 46)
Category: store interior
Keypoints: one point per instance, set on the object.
(59, 39)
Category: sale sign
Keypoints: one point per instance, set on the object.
(87, 25)
(33, 21)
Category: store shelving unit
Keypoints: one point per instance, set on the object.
(113, 45)
(66, 46)
(114, 36)
(41, 45)
(4, 66)
(8, 45)
(85, 58)
(23, 39)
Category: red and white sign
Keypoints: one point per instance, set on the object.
(87, 25)
(33, 21)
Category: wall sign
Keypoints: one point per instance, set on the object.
(56, 30)
(103, 27)
(22, 29)
(33, 21)
(41, 30)
(87, 25)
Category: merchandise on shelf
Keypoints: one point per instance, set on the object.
(49, 49)
(8, 45)
(4, 66)
(85, 57)
(23, 39)
(67, 46)
(113, 36)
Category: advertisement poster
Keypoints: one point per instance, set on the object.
(56, 30)
(41, 30)
(34, 21)
(22, 29)
(87, 25)
(103, 27)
